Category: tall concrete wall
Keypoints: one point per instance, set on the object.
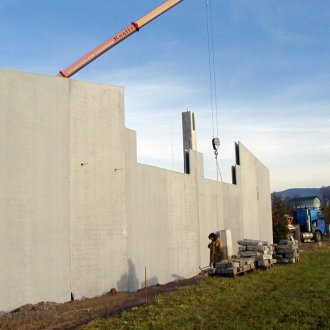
(97, 188)
(80, 215)
(34, 189)
(254, 183)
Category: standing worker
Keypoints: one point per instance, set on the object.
(216, 253)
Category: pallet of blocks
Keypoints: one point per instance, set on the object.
(234, 267)
(287, 251)
(262, 252)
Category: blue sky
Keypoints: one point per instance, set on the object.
(272, 74)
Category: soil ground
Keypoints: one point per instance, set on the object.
(71, 315)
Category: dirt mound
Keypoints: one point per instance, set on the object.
(70, 315)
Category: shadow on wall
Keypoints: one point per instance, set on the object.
(178, 277)
(150, 281)
(130, 282)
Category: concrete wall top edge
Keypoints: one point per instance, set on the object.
(243, 148)
(57, 77)
(222, 183)
(13, 71)
(84, 82)
(152, 167)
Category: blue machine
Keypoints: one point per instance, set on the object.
(312, 224)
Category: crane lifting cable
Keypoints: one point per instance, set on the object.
(213, 84)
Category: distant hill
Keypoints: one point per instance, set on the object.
(301, 192)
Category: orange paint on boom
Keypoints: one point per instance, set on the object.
(117, 38)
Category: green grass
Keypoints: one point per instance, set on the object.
(294, 296)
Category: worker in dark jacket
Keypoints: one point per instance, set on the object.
(216, 252)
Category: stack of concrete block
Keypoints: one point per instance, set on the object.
(234, 267)
(262, 252)
(227, 268)
(287, 251)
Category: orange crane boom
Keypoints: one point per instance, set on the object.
(117, 38)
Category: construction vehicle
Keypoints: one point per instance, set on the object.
(117, 38)
(309, 217)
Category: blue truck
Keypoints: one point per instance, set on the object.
(312, 224)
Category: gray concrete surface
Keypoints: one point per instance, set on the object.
(97, 188)
(79, 214)
(34, 189)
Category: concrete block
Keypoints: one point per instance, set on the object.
(290, 255)
(249, 253)
(285, 250)
(264, 263)
(245, 261)
(286, 261)
(264, 257)
(248, 267)
(247, 242)
(259, 248)
(227, 264)
(287, 242)
(230, 271)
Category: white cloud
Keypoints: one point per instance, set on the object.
(278, 128)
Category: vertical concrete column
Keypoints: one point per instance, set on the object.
(189, 137)
(225, 236)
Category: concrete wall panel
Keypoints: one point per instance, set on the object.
(264, 203)
(34, 189)
(183, 221)
(147, 213)
(255, 196)
(97, 188)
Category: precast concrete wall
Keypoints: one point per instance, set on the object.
(254, 183)
(34, 189)
(97, 188)
(78, 212)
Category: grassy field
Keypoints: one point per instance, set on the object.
(295, 296)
